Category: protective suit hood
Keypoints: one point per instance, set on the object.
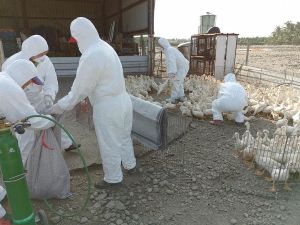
(164, 43)
(34, 45)
(85, 33)
(230, 77)
(21, 71)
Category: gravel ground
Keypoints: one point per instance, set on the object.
(198, 180)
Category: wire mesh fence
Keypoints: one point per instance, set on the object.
(174, 157)
(276, 157)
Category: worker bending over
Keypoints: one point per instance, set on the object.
(100, 78)
(177, 69)
(35, 49)
(232, 98)
(14, 104)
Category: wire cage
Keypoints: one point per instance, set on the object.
(173, 160)
(202, 54)
(277, 157)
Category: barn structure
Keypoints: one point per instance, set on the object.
(128, 25)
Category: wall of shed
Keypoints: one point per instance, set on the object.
(25, 15)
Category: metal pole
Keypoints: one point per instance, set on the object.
(2, 56)
(247, 53)
(151, 54)
(151, 44)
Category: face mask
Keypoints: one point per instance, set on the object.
(40, 60)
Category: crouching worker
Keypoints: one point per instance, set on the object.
(14, 104)
(232, 98)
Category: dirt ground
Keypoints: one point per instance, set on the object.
(275, 58)
(199, 180)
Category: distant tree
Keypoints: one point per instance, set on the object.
(288, 34)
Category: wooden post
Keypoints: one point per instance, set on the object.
(247, 53)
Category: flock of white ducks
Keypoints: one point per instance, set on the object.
(278, 102)
(278, 155)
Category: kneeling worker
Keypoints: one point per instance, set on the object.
(232, 98)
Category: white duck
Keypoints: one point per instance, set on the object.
(282, 122)
(281, 174)
(266, 163)
(239, 144)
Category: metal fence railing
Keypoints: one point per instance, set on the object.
(250, 74)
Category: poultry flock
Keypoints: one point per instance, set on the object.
(276, 102)
(279, 155)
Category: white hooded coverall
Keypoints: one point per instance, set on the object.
(176, 64)
(14, 104)
(100, 78)
(232, 97)
(32, 46)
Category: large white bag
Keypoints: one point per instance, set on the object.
(47, 172)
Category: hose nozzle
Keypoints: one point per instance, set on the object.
(19, 127)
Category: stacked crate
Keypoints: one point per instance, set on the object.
(203, 54)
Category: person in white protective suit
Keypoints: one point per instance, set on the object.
(100, 78)
(177, 69)
(35, 49)
(232, 98)
(14, 104)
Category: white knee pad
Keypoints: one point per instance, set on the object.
(2, 193)
(2, 211)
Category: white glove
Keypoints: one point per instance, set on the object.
(48, 101)
(56, 110)
(172, 75)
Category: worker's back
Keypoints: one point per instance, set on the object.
(175, 60)
(181, 61)
(100, 72)
(108, 69)
(232, 91)
(11, 59)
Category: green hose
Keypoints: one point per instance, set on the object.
(84, 164)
